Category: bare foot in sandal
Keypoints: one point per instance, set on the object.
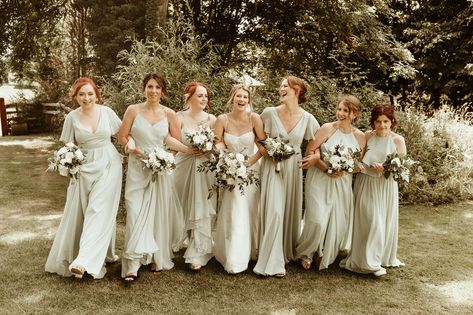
(306, 263)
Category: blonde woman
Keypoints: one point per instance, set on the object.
(328, 217)
(236, 231)
(192, 186)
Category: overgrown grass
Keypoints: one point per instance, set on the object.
(434, 242)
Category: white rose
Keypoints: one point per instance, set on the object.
(240, 157)
(62, 150)
(196, 139)
(79, 155)
(230, 181)
(241, 171)
(396, 161)
(288, 148)
(208, 146)
(69, 156)
(334, 159)
(70, 145)
(63, 171)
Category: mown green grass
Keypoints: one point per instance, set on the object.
(434, 242)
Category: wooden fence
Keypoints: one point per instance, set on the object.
(32, 118)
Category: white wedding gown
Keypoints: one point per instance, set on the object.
(236, 231)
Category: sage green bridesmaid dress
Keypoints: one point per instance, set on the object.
(86, 234)
(154, 223)
(281, 195)
(328, 217)
(375, 230)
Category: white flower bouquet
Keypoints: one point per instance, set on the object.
(202, 139)
(341, 159)
(159, 161)
(399, 166)
(67, 160)
(230, 171)
(279, 149)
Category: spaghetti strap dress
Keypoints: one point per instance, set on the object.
(199, 212)
(154, 222)
(234, 235)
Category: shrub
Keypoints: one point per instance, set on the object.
(442, 145)
(179, 56)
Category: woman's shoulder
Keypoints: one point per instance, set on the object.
(397, 138)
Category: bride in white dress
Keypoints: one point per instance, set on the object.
(236, 231)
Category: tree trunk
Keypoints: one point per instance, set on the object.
(156, 16)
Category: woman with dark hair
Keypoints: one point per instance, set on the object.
(192, 186)
(154, 223)
(375, 230)
(328, 216)
(87, 228)
(281, 191)
(236, 230)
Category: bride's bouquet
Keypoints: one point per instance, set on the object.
(279, 149)
(159, 161)
(339, 158)
(67, 160)
(202, 139)
(399, 166)
(230, 171)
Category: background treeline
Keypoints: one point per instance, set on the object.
(415, 54)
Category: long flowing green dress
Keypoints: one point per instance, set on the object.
(154, 223)
(86, 234)
(281, 195)
(199, 212)
(328, 217)
(375, 230)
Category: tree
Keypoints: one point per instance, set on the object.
(440, 35)
(112, 24)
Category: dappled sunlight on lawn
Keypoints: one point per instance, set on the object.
(458, 292)
(38, 226)
(430, 228)
(30, 298)
(284, 312)
(37, 143)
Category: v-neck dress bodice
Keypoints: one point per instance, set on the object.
(281, 195)
(86, 234)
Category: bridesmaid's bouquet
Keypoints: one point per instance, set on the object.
(230, 171)
(279, 149)
(341, 159)
(159, 161)
(67, 160)
(399, 166)
(202, 139)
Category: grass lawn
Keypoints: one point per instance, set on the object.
(435, 243)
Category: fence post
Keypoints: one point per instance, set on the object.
(3, 117)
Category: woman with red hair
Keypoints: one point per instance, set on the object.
(193, 186)
(375, 229)
(87, 228)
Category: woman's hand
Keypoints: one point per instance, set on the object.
(309, 161)
(378, 167)
(130, 146)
